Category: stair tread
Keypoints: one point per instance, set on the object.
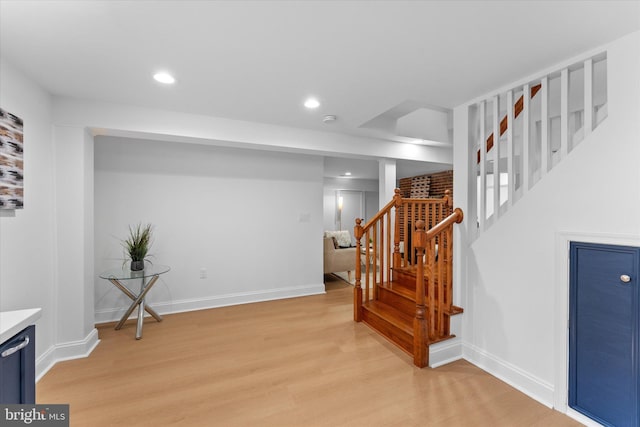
(396, 317)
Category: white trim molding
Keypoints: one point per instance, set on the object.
(528, 384)
(66, 351)
(235, 298)
(445, 352)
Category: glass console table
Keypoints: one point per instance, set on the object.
(147, 277)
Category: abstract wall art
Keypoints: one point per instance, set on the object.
(11, 161)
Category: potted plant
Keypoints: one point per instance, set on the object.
(137, 245)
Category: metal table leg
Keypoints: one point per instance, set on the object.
(140, 320)
(139, 301)
(133, 297)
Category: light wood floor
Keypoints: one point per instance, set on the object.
(296, 362)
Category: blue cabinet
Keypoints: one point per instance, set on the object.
(604, 335)
(18, 368)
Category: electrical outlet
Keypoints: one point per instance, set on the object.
(203, 273)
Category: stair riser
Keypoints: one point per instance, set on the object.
(392, 333)
(398, 301)
(405, 279)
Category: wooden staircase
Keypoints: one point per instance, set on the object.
(407, 293)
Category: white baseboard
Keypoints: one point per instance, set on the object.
(111, 315)
(582, 419)
(66, 351)
(445, 352)
(523, 381)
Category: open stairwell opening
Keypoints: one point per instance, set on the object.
(406, 254)
(519, 135)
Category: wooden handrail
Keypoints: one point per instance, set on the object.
(517, 109)
(455, 218)
(386, 209)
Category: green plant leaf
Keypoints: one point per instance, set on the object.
(138, 243)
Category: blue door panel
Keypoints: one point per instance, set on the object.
(603, 337)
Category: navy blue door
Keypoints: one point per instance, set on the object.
(604, 381)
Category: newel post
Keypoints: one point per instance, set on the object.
(397, 258)
(357, 291)
(420, 348)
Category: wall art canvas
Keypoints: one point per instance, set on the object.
(11, 161)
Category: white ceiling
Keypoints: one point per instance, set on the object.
(258, 60)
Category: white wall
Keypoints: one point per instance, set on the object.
(27, 257)
(369, 188)
(73, 162)
(251, 218)
(510, 283)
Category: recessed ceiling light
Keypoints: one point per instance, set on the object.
(347, 174)
(165, 78)
(311, 103)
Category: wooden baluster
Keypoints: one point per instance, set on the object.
(428, 208)
(405, 214)
(441, 284)
(374, 257)
(414, 218)
(420, 348)
(357, 291)
(449, 281)
(381, 257)
(367, 264)
(437, 214)
(432, 290)
(397, 260)
(408, 228)
(388, 252)
(405, 231)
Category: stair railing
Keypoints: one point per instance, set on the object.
(375, 255)
(434, 284)
(385, 242)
